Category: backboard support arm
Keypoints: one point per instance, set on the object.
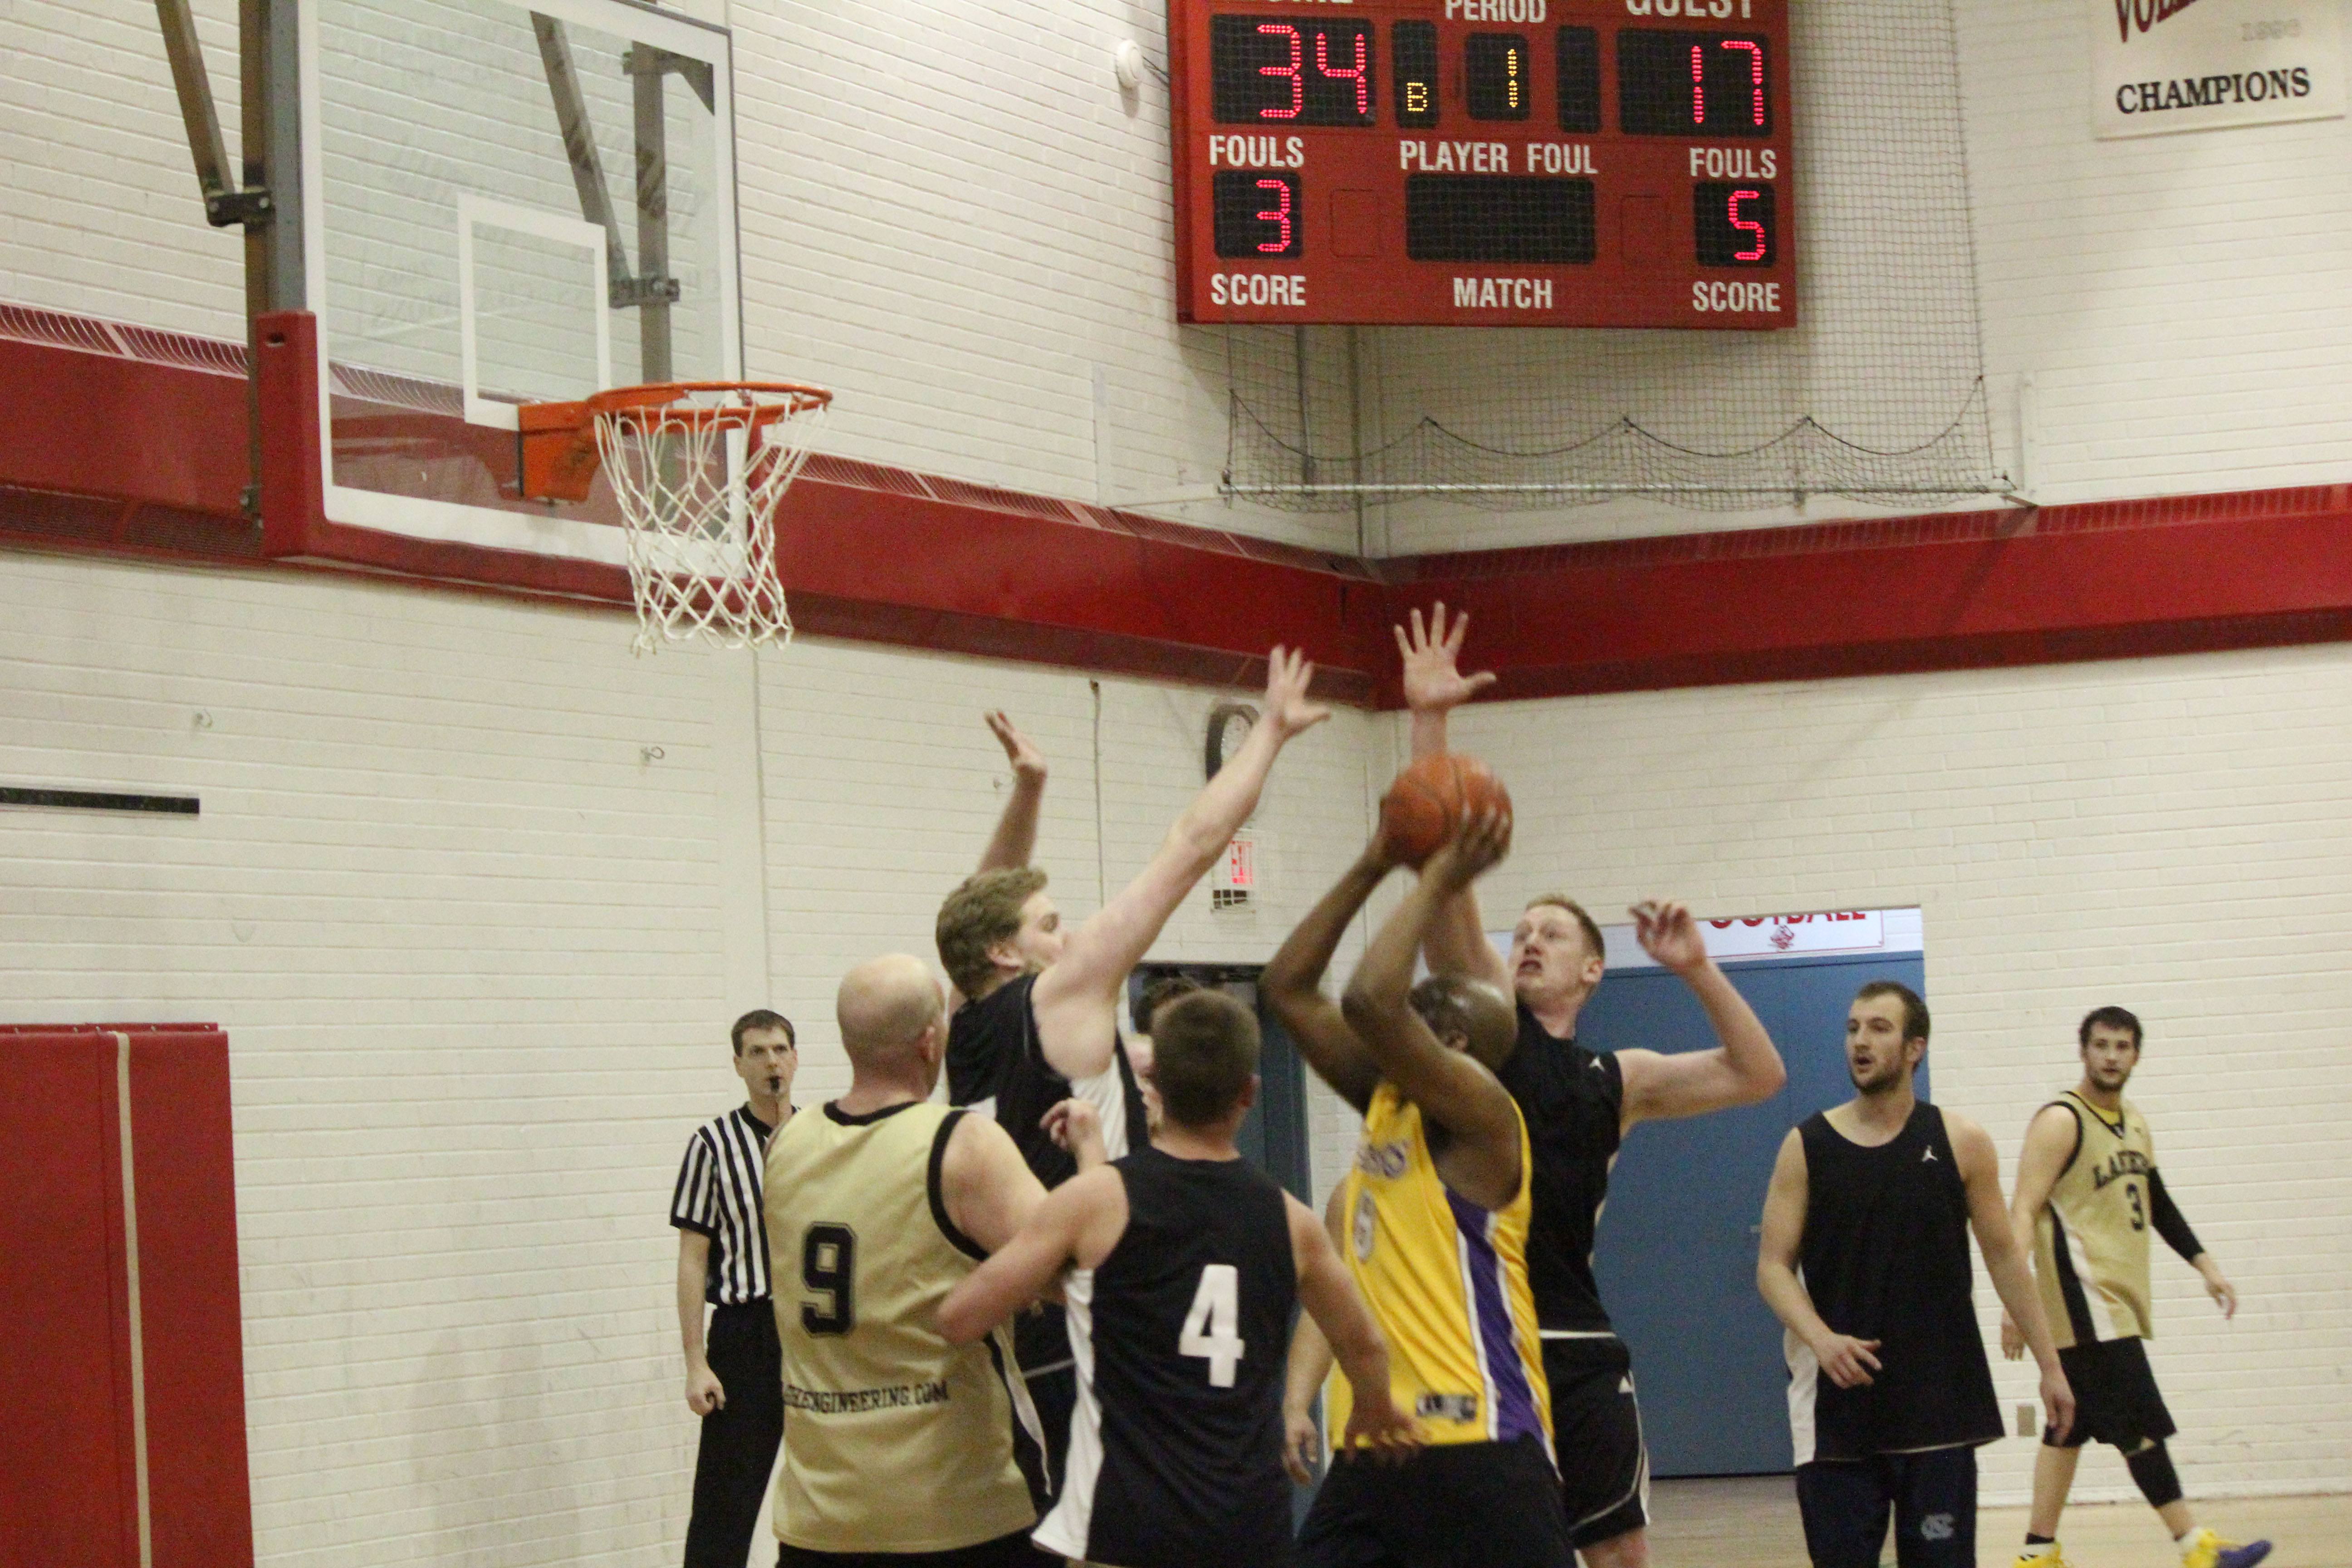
(580, 142)
(645, 67)
(194, 85)
(652, 291)
(271, 134)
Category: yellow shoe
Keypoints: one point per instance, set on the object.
(2203, 1549)
(2041, 1557)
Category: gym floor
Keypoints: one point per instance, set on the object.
(1750, 1521)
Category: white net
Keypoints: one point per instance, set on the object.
(697, 472)
(1877, 394)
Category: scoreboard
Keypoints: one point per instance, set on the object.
(1484, 163)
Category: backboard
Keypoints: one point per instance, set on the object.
(505, 202)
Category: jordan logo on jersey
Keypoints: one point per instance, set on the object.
(1929, 1158)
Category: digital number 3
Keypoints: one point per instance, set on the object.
(1278, 212)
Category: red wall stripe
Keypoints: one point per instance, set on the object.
(887, 555)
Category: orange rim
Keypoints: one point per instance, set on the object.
(768, 401)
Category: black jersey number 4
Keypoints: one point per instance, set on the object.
(1212, 1326)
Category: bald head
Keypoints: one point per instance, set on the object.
(1477, 1015)
(885, 1006)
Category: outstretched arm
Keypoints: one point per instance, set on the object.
(1433, 687)
(1457, 944)
(1016, 831)
(1292, 984)
(1076, 997)
(2013, 1277)
(1451, 1088)
(1073, 1214)
(1743, 1069)
(2051, 1139)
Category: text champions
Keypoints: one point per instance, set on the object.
(2213, 91)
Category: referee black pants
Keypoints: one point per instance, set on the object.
(740, 1438)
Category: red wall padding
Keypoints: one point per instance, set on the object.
(68, 1481)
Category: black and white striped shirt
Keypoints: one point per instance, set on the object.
(718, 1196)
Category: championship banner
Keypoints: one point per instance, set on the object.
(2162, 66)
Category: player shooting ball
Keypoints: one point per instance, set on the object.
(1432, 1217)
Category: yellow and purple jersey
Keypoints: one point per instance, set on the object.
(1447, 1281)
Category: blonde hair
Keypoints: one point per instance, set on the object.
(1594, 943)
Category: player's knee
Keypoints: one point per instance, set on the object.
(2151, 1468)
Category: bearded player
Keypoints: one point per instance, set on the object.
(2088, 1192)
(1580, 1105)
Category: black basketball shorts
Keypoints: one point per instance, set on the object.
(1005, 1552)
(1453, 1505)
(2116, 1398)
(1932, 1495)
(1604, 1467)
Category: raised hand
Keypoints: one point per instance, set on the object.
(1433, 681)
(1287, 676)
(1669, 935)
(1849, 1362)
(1028, 762)
(1480, 842)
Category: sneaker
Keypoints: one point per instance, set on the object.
(2206, 1550)
(2041, 1557)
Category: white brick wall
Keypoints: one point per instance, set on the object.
(474, 951)
(2166, 833)
(953, 216)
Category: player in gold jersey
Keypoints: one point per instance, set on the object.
(899, 1448)
(1433, 1223)
(2087, 1194)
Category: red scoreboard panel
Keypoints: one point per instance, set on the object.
(1484, 163)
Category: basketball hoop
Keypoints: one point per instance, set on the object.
(697, 470)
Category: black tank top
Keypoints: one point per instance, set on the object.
(1885, 1257)
(1181, 1336)
(1574, 1102)
(993, 1054)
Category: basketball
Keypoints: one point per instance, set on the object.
(1425, 801)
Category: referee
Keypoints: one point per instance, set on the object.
(736, 1384)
